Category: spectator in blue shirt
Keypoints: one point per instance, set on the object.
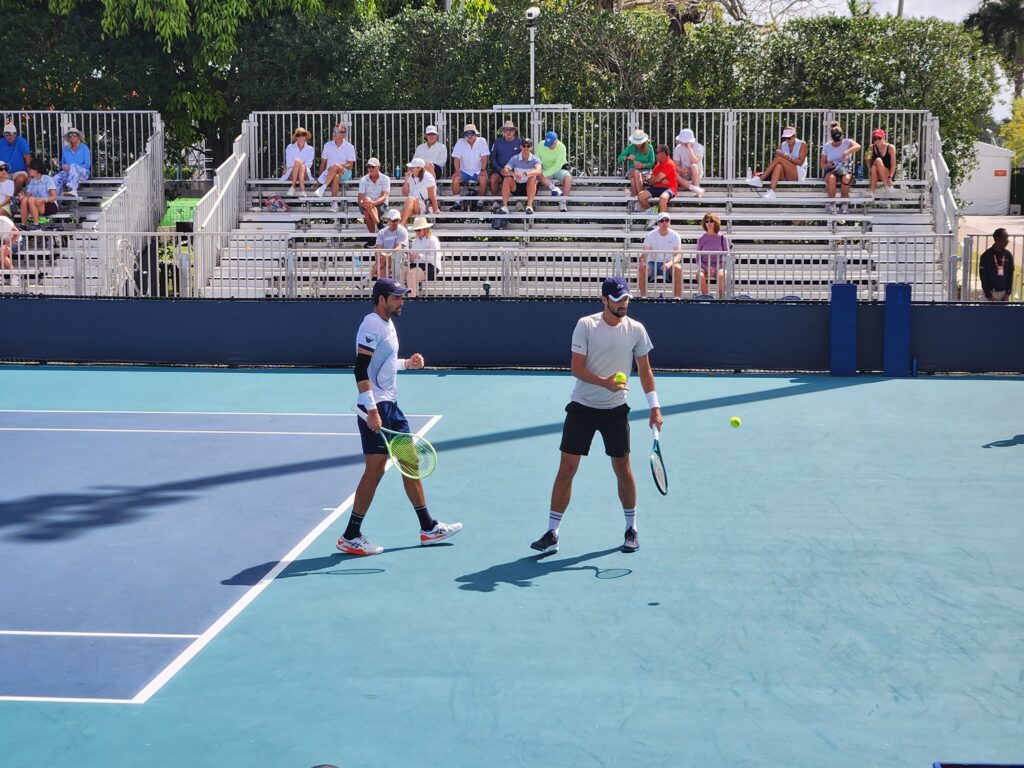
(505, 148)
(14, 151)
(75, 164)
(40, 195)
(521, 175)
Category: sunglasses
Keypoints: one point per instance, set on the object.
(469, 134)
(337, 132)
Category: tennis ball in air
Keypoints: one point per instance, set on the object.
(619, 378)
(736, 421)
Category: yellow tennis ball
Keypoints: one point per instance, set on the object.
(620, 378)
(736, 421)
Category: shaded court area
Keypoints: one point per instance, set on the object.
(834, 583)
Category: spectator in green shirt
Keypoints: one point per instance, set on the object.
(639, 159)
(554, 167)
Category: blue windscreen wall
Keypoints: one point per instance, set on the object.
(688, 335)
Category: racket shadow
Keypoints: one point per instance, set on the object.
(522, 572)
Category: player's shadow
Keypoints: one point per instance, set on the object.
(1015, 440)
(522, 572)
(316, 566)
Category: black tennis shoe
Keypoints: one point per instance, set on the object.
(631, 543)
(547, 544)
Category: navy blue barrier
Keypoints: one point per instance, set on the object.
(771, 336)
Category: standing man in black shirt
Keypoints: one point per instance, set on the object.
(996, 268)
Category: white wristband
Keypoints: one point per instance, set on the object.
(402, 363)
(652, 400)
(366, 400)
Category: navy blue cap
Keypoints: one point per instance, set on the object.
(385, 286)
(615, 288)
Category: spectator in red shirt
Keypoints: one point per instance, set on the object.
(663, 184)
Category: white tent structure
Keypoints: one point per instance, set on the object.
(986, 192)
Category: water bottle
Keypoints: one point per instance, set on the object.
(398, 172)
(750, 172)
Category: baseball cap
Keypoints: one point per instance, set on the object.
(788, 132)
(385, 286)
(373, 161)
(393, 215)
(430, 129)
(416, 162)
(9, 128)
(662, 216)
(550, 138)
(878, 133)
(3, 165)
(615, 288)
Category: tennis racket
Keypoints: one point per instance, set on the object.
(658, 465)
(414, 456)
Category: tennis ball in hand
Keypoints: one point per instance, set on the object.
(619, 378)
(736, 421)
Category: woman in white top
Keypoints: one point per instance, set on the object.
(424, 256)
(836, 162)
(689, 159)
(298, 160)
(789, 163)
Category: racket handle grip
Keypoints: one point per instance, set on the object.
(657, 432)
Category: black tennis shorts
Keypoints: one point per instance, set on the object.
(581, 422)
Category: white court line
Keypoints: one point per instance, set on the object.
(144, 635)
(195, 413)
(62, 700)
(178, 431)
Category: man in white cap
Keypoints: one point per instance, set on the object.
(689, 159)
(337, 159)
(432, 151)
(390, 240)
(14, 151)
(420, 190)
(470, 157)
(662, 257)
(374, 189)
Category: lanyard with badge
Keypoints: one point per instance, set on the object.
(1000, 271)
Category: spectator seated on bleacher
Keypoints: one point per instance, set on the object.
(9, 237)
(711, 249)
(75, 164)
(639, 159)
(39, 197)
(521, 174)
(424, 256)
(420, 190)
(298, 161)
(554, 168)
(663, 182)
(470, 157)
(6, 192)
(837, 162)
(789, 163)
(505, 147)
(662, 257)
(881, 160)
(337, 160)
(372, 198)
(14, 151)
(432, 151)
(688, 157)
(390, 240)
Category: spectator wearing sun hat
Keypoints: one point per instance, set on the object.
(14, 151)
(554, 167)
(424, 256)
(298, 161)
(881, 156)
(505, 147)
(75, 163)
(432, 151)
(470, 157)
(789, 163)
(420, 189)
(639, 159)
(337, 159)
(688, 157)
(372, 198)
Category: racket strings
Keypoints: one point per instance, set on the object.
(415, 457)
(658, 470)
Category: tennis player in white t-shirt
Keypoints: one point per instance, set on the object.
(603, 345)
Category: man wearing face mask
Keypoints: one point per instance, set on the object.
(837, 164)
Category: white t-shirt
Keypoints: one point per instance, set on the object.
(834, 154)
(338, 155)
(426, 250)
(6, 228)
(374, 189)
(389, 240)
(608, 349)
(662, 247)
(471, 157)
(419, 187)
(6, 191)
(437, 154)
(380, 338)
(682, 158)
(293, 153)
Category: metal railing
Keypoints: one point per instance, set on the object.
(218, 210)
(967, 283)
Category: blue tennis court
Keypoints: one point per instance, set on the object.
(835, 583)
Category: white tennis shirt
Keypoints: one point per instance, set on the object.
(380, 338)
(608, 349)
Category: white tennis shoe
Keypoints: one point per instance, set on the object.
(439, 533)
(360, 545)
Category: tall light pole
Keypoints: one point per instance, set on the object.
(532, 14)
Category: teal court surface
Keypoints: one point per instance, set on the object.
(836, 583)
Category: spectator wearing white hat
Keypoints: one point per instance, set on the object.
(420, 190)
(75, 163)
(337, 159)
(374, 189)
(505, 147)
(15, 152)
(554, 167)
(689, 159)
(789, 163)
(298, 161)
(424, 256)
(470, 157)
(390, 240)
(432, 151)
(662, 257)
(639, 159)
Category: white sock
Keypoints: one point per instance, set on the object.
(554, 520)
(630, 518)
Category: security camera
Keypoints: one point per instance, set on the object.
(532, 13)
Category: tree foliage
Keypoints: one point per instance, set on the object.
(1012, 132)
(1001, 23)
